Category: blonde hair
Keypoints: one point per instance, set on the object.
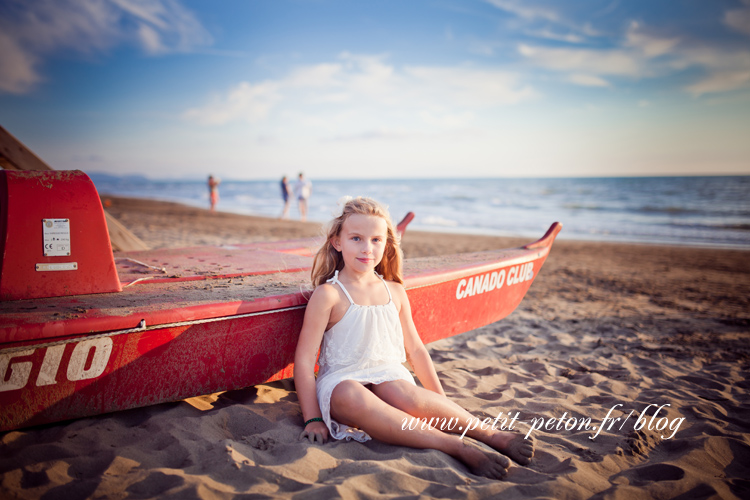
(328, 260)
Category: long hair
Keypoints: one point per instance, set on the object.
(328, 259)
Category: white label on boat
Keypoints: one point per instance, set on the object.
(56, 234)
(58, 266)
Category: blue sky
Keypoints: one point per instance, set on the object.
(252, 89)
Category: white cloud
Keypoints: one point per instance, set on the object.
(648, 44)
(647, 54)
(594, 62)
(537, 21)
(369, 76)
(244, 101)
(726, 70)
(524, 11)
(714, 58)
(448, 120)
(739, 19)
(723, 81)
(150, 39)
(315, 76)
(30, 32)
(448, 34)
(550, 35)
(359, 90)
(16, 68)
(473, 88)
(588, 80)
(482, 47)
(643, 52)
(370, 135)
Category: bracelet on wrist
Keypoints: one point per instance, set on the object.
(316, 419)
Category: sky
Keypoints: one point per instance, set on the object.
(257, 89)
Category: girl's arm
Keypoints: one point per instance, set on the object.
(416, 353)
(316, 319)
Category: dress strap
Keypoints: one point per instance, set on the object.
(387, 289)
(335, 281)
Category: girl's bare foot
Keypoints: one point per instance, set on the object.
(485, 464)
(513, 445)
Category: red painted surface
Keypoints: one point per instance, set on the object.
(26, 198)
(438, 314)
(55, 365)
(150, 367)
(201, 263)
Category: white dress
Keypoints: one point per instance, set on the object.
(366, 345)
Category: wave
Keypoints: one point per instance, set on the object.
(671, 210)
(719, 225)
(582, 206)
(647, 209)
(602, 209)
(435, 220)
(656, 210)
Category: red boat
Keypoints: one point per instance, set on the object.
(83, 332)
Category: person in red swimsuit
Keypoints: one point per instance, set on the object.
(213, 191)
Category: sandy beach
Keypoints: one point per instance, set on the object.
(660, 335)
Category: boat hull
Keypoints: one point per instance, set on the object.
(224, 345)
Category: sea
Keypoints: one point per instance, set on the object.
(697, 211)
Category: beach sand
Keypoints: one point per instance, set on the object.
(602, 325)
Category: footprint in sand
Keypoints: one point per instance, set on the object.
(639, 442)
(588, 455)
(260, 443)
(658, 472)
(640, 476)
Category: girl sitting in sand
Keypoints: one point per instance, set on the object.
(360, 312)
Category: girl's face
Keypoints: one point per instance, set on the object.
(362, 241)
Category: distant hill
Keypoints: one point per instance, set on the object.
(100, 178)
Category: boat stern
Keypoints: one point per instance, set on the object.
(53, 236)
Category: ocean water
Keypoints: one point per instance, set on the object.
(698, 211)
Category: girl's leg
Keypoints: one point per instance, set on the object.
(355, 405)
(422, 403)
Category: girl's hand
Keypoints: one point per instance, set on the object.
(315, 432)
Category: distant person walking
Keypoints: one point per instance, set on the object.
(286, 192)
(303, 190)
(213, 191)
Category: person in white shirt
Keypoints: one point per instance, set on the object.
(303, 190)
